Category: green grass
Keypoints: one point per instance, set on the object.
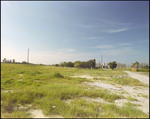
(131, 98)
(143, 70)
(142, 95)
(129, 111)
(47, 86)
(16, 114)
(128, 81)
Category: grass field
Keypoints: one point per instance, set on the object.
(47, 86)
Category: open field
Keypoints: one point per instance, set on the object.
(48, 91)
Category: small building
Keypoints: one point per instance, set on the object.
(104, 66)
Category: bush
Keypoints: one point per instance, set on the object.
(9, 81)
(58, 75)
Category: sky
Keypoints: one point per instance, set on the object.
(63, 31)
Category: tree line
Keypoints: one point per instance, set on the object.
(14, 62)
(85, 64)
(78, 64)
(138, 65)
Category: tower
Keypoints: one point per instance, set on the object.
(28, 56)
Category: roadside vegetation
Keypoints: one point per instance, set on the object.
(48, 87)
(128, 81)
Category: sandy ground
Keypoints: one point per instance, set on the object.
(140, 77)
(133, 91)
(37, 113)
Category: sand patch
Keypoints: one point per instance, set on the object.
(141, 78)
(5, 91)
(106, 86)
(131, 91)
(20, 74)
(37, 113)
(90, 77)
(83, 76)
(21, 107)
(20, 79)
(68, 101)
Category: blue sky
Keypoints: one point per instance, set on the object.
(58, 31)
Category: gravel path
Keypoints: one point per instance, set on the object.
(141, 78)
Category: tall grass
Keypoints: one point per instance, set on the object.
(143, 70)
(128, 81)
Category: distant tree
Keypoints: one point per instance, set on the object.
(4, 60)
(124, 65)
(92, 63)
(13, 60)
(112, 65)
(56, 64)
(24, 62)
(77, 64)
(8, 61)
(142, 65)
(82, 65)
(61, 64)
(64, 63)
(69, 64)
(119, 65)
(87, 64)
(17, 62)
(146, 66)
(99, 65)
(136, 65)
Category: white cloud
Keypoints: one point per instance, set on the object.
(92, 38)
(116, 30)
(115, 23)
(124, 44)
(85, 26)
(104, 46)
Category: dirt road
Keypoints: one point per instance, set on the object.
(141, 78)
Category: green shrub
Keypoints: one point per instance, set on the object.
(58, 75)
(9, 81)
(143, 70)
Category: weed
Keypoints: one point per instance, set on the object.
(129, 103)
(125, 81)
(58, 75)
(143, 95)
(131, 98)
(17, 114)
(129, 110)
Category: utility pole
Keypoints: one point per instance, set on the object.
(101, 61)
(28, 56)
